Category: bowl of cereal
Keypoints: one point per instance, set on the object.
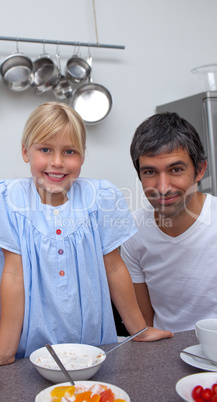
(80, 360)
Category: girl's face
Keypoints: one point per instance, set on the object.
(55, 165)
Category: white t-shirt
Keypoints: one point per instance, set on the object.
(180, 272)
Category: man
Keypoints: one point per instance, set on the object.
(172, 258)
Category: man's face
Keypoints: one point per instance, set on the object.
(169, 181)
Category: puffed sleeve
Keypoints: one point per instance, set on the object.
(9, 238)
(114, 218)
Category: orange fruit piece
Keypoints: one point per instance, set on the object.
(120, 400)
(83, 396)
(95, 398)
(87, 396)
(58, 392)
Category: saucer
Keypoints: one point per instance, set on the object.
(193, 361)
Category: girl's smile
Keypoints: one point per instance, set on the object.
(55, 176)
(54, 165)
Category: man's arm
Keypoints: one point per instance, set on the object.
(12, 306)
(143, 299)
(124, 298)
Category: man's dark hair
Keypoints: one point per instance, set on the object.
(165, 132)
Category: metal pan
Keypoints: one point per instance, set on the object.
(63, 89)
(92, 101)
(16, 71)
(77, 69)
(45, 74)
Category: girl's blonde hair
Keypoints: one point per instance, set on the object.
(49, 119)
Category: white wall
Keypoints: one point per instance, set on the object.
(164, 40)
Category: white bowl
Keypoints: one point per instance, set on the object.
(44, 396)
(81, 361)
(185, 386)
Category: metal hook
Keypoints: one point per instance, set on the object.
(17, 45)
(44, 46)
(75, 47)
(57, 49)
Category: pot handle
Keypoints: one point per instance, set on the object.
(44, 53)
(58, 60)
(90, 62)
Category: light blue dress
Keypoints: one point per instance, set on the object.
(66, 292)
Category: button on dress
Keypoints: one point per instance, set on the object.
(66, 291)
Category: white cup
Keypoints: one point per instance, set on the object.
(206, 332)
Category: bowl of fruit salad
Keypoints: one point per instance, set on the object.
(83, 391)
(200, 387)
(80, 360)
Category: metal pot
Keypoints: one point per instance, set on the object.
(63, 89)
(77, 69)
(45, 73)
(16, 71)
(92, 101)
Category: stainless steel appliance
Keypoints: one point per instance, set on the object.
(201, 111)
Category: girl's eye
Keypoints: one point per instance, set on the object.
(45, 150)
(69, 151)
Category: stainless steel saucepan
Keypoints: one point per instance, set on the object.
(63, 89)
(92, 101)
(45, 73)
(77, 69)
(16, 72)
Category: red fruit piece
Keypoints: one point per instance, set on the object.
(197, 392)
(207, 394)
(214, 388)
(107, 396)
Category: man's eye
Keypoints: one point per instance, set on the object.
(177, 170)
(148, 172)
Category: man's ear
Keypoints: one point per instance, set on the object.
(25, 154)
(201, 170)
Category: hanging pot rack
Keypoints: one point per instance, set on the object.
(60, 42)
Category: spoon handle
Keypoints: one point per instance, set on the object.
(126, 340)
(199, 357)
(58, 361)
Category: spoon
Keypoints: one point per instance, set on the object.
(126, 340)
(58, 361)
(199, 357)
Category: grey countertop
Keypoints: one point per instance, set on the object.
(147, 371)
